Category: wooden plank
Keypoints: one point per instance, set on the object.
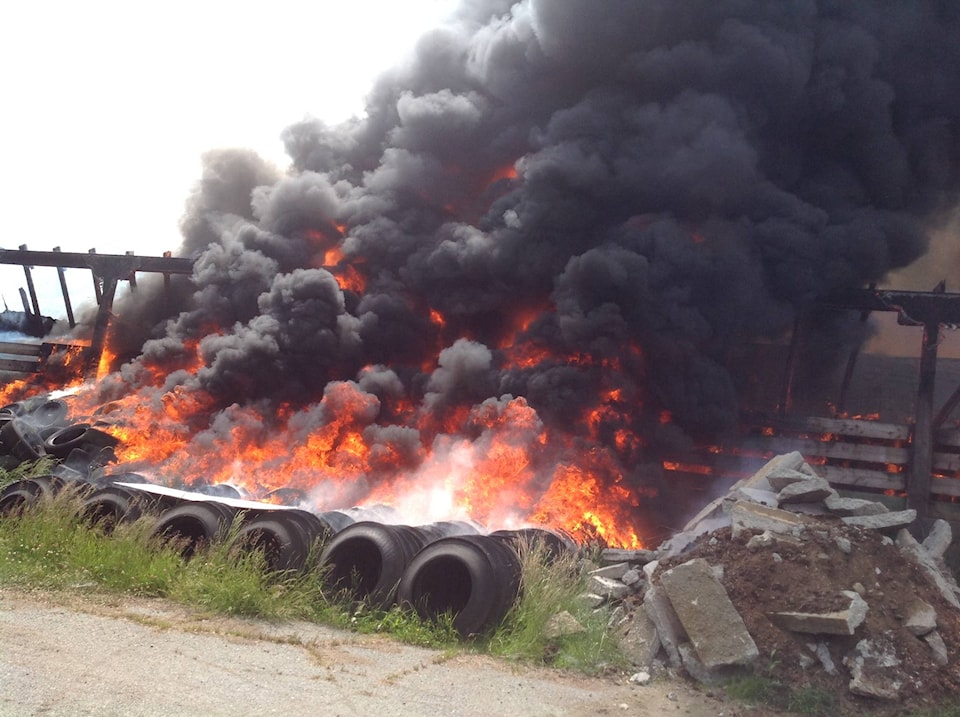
(945, 486)
(861, 477)
(840, 426)
(948, 438)
(19, 366)
(18, 348)
(946, 462)
(861, 452)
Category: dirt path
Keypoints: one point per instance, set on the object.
(73, 656)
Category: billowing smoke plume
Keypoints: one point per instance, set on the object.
(562, 201)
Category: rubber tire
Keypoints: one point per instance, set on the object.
(17, 496)
(283, 539)
(555, 543)
(110, 505)
(474, 577)
(22, 440)
(60, 443)
(197, 524)
(22, 493)
(49, 413)
(375, 554)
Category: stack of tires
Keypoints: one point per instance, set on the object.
(437, 569)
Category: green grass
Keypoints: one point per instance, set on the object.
(547, 589)
(759, 689)
(48, 546)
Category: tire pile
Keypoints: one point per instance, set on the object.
(439, 568)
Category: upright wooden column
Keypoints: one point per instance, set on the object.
(921, 465)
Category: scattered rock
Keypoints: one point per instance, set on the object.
(871, 670)
(561, 624)
(937, 647)
(810, 490)
(921, 617)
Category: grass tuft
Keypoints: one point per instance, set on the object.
(550, 586)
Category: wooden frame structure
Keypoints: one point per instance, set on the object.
(106, 269)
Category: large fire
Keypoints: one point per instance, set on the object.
(494, 462)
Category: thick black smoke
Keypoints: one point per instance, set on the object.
(687, 174)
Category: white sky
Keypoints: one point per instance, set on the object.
(108, 105)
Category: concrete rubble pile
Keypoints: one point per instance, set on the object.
(671, 610)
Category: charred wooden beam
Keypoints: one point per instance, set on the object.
(102, 265)
(916, 308)
(66, 294)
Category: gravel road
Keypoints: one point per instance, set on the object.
(69, 655)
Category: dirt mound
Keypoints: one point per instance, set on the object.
(810, 576)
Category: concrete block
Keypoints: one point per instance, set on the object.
(660, 611)
(753, 516)
(909, 546)
(712, 623)
(883, 521)
(853, 506)
(614, 571)
(939, 538)
(811, 490)
(842, 622)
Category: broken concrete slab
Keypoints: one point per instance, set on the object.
(921, 617)
(938, 539)
(639, 641)
(853, 506)
(754, 495)
(810, 490)
(632, 577)
(753, 516)
(658, 608)
(710, 620)
(610, 556)
(785, 462)
(610, 589)
(883, 521)
(841, 622)
(783, 477)
(614, 571)
(909, 546)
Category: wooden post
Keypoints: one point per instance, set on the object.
(921, 464)
(33, 292)
(786, 391)
(96, 281)
(133, 275)
(66, 294)
(102, 324)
